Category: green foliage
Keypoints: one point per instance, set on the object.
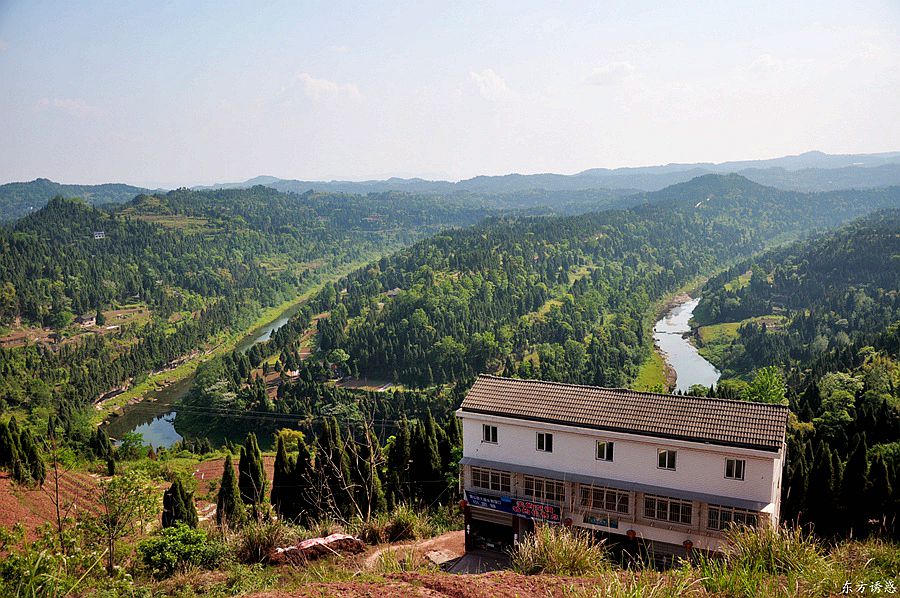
(178, 547)
(178, 507)
(768, 386)
(251, 474)
(558, 550)
(229, 507)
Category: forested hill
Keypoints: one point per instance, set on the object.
(19, 199)
(559, 298)
(814, 301)
(188, 265)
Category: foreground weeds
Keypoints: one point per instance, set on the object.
(557, 550)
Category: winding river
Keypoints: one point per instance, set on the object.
(154, 417)
(670, 335)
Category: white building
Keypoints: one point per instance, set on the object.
(665, 471)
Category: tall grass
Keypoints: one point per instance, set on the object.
(558, 550)
(769, 561)
(404, 523)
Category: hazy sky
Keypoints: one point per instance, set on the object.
(181, 93)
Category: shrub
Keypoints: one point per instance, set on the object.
(401, 560)
(558, 550)
(179, 547)
(258, 538)
(401, 523)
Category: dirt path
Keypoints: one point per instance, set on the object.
(438, 550)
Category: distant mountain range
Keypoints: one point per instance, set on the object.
(19, 199)
(811, 171)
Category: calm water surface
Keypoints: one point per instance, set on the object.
(679, 353)
(154, 419)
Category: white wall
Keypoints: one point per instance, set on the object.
(699, 468)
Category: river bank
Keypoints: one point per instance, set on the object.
(150, 406)
(672, 338)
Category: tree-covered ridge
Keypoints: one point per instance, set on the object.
(558, 298)
(820, 296)
(202, 263)
(20, 199)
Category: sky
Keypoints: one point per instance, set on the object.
(175, 94)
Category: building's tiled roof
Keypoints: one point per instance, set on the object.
(696, 419)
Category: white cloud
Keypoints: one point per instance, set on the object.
(3, 45)
(491, 86)
(319, 88)
(73, 106)
(339, 49)
(612, 73)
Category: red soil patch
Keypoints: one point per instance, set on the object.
(32, 507)
(209, 473)
(502, 584)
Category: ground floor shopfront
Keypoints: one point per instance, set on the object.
(502, 506)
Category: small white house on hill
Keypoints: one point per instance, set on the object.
(667, 472)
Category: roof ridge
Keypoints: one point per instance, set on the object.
(635, 392)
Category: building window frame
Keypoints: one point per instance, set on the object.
(488, 434)
(601, 498)
(541, 489)
(666, 459)
(735, 469)
(719, 517)
(544, 442)
(605, 450)
(668, 509)
(492, 480)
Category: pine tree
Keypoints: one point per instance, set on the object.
(229, 508)
(251, 475)
(178, 506)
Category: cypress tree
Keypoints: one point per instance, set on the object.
(281, 477)
(822, 486)
(178, 506)
(425, 468)
(229, 508)
(9, 452)
(251, 475)
(398, 464)
(879, 501)
(300, 504)
(333, 467)
(368, 490)
(855, 488)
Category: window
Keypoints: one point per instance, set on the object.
(734, 469)
(545, 442)
(719, 517)
(663, 508)
(491, 479)
(543, 489)
(604, 499)
(666, 459)
(604, 451)
(489, 434)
